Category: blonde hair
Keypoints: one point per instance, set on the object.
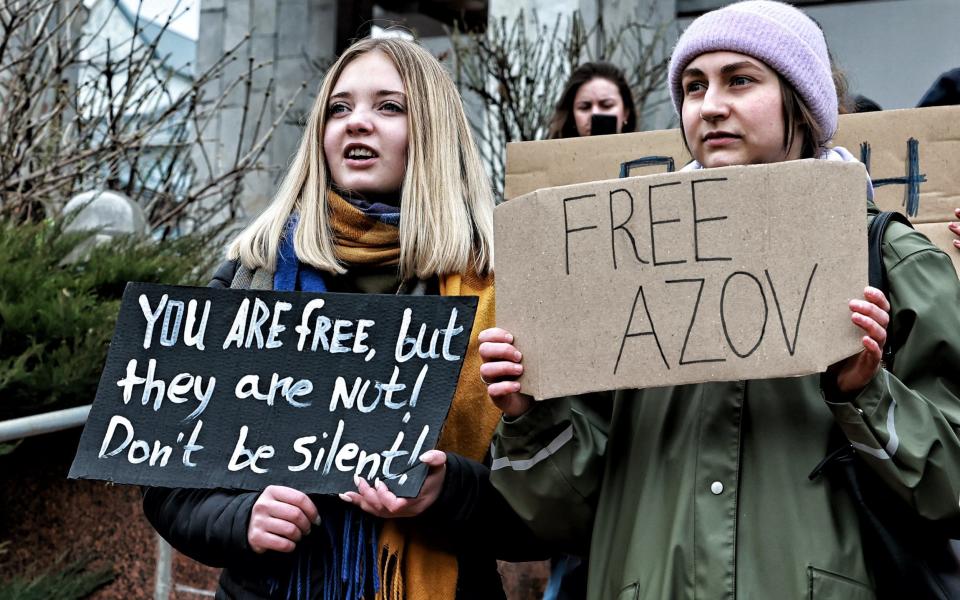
(446, 205)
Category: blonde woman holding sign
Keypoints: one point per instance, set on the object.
(386, 194)
(702, 491)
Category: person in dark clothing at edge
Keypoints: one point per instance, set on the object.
(701, 491)
(945, 91)
(386, 194)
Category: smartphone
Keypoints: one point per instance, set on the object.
(603, 124)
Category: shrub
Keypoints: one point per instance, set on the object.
(57, 317)
(61, 582)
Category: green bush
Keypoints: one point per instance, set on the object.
(62, 582)
(57, 316)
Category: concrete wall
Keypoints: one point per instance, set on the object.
(892, 50)
(294, 38)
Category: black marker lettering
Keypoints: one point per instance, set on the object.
(623, 227)
(628, 334)
(791, 346)
(566, 228)
(723, 316)
(646, 161)
(697, 221)
(693, 319)
(654, 223)
(912, 180)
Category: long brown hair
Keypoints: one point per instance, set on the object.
(563, 124)
(797, 115)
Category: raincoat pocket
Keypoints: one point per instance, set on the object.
(826, 585)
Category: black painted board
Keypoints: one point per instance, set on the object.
(241, 389)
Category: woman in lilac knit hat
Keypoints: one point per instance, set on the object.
(702, 491)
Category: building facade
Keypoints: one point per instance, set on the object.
(890, 50)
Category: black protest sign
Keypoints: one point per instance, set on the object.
(242, 389)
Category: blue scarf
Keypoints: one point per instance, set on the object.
(349, 548)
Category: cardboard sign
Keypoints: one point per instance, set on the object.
(551, 163)
(242, 389)
(710, 275)
(913, 157)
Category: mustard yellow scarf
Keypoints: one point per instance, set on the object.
(361, 239)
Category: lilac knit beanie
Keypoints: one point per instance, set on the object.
(783, 37)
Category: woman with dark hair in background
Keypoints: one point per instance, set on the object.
(593, 88)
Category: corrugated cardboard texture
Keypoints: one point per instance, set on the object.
(881, 138)
(718, 263)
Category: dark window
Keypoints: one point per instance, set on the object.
(425, 18)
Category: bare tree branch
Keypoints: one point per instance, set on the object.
(516, 69)
(81, 112)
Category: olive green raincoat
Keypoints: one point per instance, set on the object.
(701, 491)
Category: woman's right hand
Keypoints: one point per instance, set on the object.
(955, 228)
(500, 369)
(281, 516)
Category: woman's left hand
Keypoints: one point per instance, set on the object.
(872, 316)
(381, 502)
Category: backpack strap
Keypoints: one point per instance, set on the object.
(877, 270)
(878, 226)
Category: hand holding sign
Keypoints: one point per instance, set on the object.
(871, 315)
(955, 228)
(500, 369)
(280, 517)
(682, 277)
(379, 501)
(502, 361)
